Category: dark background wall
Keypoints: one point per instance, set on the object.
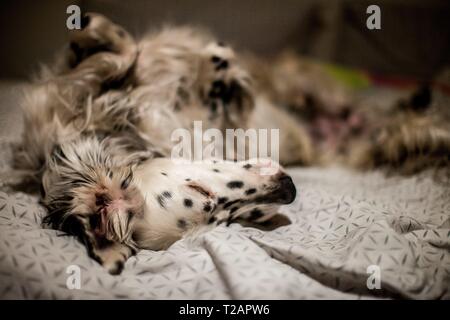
(414, 39)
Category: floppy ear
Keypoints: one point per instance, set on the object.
(275, 221)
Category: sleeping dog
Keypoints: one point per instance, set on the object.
(116, 207)
(98, 138)
(98, 127)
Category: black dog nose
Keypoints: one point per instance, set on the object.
(287, 190)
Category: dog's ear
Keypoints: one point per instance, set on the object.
(276, 221)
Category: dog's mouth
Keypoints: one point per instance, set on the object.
(204, 191)
(284, 192)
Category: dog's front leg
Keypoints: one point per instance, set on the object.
(113, 256)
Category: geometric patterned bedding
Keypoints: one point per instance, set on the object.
(342, 223)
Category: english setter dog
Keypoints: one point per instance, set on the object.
(98, 138)
(98, 126)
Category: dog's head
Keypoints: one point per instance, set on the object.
(84, 181)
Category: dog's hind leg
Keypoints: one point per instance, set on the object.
(101, 52)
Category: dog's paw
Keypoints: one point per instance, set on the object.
(98, 34)
(225, 85)
(113, 264)
(113, 257)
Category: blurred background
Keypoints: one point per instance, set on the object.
(414, 40)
